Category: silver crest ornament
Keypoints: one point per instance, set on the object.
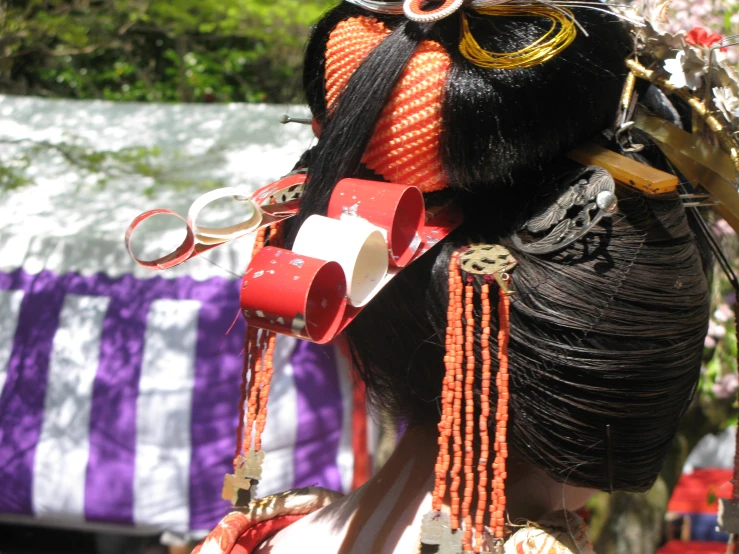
(589, 198)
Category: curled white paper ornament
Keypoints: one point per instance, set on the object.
(357, 246)
(215, 235)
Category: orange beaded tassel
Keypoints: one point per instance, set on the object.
(469, 412)
(464, 528)
(457, 402)
(482, 466)
(255, 388)
(443, 459)
(267, 371)
(498, 504)
(248, 374)
(436, 526)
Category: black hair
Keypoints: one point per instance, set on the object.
(608, 332)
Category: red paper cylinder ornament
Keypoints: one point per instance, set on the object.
(396, 209)
(294, 295)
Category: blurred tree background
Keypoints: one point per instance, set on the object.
(156, 50)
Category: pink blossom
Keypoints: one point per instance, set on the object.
(722, 228)
(726, 386)
(715, 330)
(715, 17)
(723, 313)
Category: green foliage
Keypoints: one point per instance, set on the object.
(156, 50)
(99, 167)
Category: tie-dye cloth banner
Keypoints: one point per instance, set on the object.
(119, 387)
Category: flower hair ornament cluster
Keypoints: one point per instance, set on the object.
(690, 68)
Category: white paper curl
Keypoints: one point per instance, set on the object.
(357, 246)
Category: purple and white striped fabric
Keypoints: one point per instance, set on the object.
(118, 402)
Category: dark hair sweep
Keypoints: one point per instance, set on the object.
(606, 332)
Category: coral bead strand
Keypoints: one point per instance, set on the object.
(267, 372)
(252, 406)
(457, 402)
(469, 413)
(247, 382)
(447, 394)
(482, 466)
(498, 505)
(243, 431)
(276, 235)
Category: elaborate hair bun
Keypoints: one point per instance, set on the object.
(399, 99)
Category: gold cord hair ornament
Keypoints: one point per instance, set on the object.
(561, 34)
(464, 463)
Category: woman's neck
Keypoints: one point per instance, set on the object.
(384, 516)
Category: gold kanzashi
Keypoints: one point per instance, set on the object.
(699, 106)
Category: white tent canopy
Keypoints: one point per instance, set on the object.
(45, 223)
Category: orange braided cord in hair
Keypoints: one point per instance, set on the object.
(498, 505)
(443, 459)
(348, 45)
(404, 148)
(469, 413)
(482, 466)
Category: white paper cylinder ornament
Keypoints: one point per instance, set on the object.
(358, 247)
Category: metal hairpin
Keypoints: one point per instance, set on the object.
(609, 458)
(302, 120)
(697, 200)
(714, 245)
